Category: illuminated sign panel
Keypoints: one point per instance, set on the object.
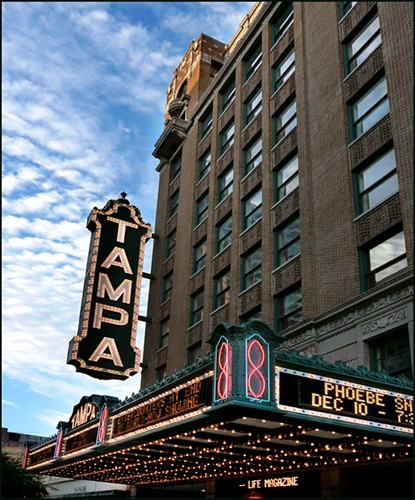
(223, 370)
(321, 396)
(105, 346)
(188, 398)
(81, 440)
(257, 368)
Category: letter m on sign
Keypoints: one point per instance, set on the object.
(105, 345)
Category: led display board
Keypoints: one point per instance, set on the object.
(185, 399)
(105, 346)
(318, 395)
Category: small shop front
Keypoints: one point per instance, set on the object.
(246, 421)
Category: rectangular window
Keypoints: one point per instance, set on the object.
(254, 314)
(202, 207)
(204, 164)
(225, 183)
(174, 204)
(222, 287)
(284, 68)
(227, 95)
(206, 124)
(370, 108)
(288, 242)
(226, 138)
(170, 244)
(160, 373)
(167, 287)
(286, 178)
(345, 7)
(252, 268)
(290, 309)
(164, 333)
(252, 155)
(392, 354)
(194, 353)
(252, 209)
(363, 44)
(377, 182)
(285, 121)
(175, 167)
(283, 22)
(199, 255)
(253, 61)
(384, 259)
(196, 307)
(224, 234)
(252, 106)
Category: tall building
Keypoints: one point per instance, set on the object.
(286, 177)
(278, 349)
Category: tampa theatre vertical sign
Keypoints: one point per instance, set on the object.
(105, 346)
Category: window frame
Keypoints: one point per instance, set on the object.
(283, 245)
(174, 203)
(363, 192)
(164, 334)
(354, 58)
(368, 275)
(251, 158)
(225, 190)
(284, 314)
(227, 95)
(199, 255)
(202, 208)
(224, 241)
(280, 183)
(197, 310)
(204, 165)
(251, 217)
(250, 113)
(278, 79)
(226, 141)
(253, 61)
(167, 287)
(282, 127)
(175, 167)
(171, 243)
(280, 26)
(392, 339)
(250, 269)
(357, 119)
(221, 294)
(206, 123)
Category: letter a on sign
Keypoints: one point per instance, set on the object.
(105, 346)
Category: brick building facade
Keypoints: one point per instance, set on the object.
(286, 176)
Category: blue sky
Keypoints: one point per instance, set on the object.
(83, 104)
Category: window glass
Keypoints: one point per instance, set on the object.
(175, 167)
(196, 314)
(225, 183)
(287, 178)
(204, 164)
(385, 259)
(363, 44)
(253, 62)
(290, 309)
(194, 353)
(227, 95)
(284, 69)
(252, 268)
(253, 106)
(164, 333)
(288, 241)
(224, 234)
(160, 372)
(174, 203)
(393, 354)
(199, 253)
(345, 7)
(253, 155)
(206, 124)
(167, 287)
(202, 207)
(252, 209)
(368, 110)
(283, 22)
(170, 244)
(222, 286)
(285, 121)
(377, 182)
(226, 138)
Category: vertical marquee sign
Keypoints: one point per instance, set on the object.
(105, 346)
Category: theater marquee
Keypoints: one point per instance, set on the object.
(105, 346)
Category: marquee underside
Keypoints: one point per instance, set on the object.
(229, 441)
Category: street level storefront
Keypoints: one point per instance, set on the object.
(246, 421)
